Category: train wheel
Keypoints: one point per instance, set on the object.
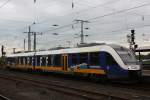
(86, 75)
(94, 77)
(103, 79)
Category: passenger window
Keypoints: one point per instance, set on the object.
(74, 59)
(110, 60)
(30, 60)
(49, 60)
(43, 61)
(18, 60)
(57, 60)
(21, 60)
(26, 61)
(94, 58)
(38, 60)
(83, 58)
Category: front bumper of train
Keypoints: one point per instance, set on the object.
(134, 67)
(135, 74)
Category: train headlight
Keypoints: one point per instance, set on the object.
(134, 67)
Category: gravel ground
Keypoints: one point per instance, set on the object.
(21, 91)
(146, 72)
(35, 93)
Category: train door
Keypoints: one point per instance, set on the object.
(65, 62)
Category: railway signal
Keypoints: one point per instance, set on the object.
(131, 40)
(132, 37)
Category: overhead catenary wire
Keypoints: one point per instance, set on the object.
(68, 25)
(5, 3)
(106, 15)
(121, 30)
(60, 27)
(97, 6)
(98, 17)
(83, 10)
(125, 29)
(106, 3)
(120, 11)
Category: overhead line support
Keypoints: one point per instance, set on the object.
(82, 30)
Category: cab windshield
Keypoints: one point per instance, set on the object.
(126, 55)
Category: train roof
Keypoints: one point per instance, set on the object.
(102, 47)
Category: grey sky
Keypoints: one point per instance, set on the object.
(17, 15)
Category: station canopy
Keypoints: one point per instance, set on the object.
(143, 49)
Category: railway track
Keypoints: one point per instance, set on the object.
(142, 86)
(58, 85)
(90, 95)
(4, 97)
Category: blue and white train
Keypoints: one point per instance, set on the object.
(111, 61)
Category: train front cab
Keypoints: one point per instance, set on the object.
(125, 68)
(111, 67)
(130, 61)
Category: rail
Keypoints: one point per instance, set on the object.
(4, 97)
(67, 90)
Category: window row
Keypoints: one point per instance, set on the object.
(92, 59)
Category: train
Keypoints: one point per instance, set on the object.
(105, 60)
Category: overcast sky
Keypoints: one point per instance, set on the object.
(109, 21)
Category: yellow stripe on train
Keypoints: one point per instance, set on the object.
(53, 68)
